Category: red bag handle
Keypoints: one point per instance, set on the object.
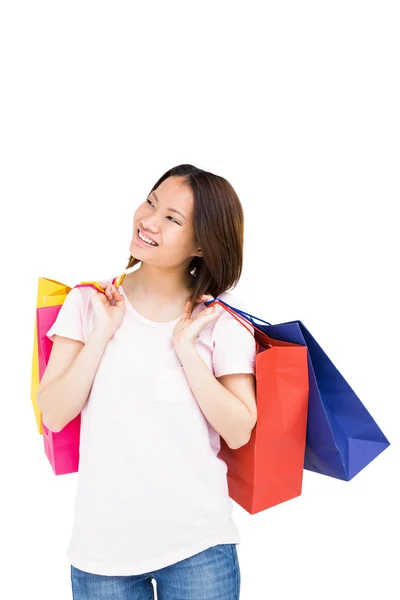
(234, 314)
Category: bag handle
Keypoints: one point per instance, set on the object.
(120, 279)
(232, 310)
(238, 310)
(94, 284)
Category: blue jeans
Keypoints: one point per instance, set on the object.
(213, 574)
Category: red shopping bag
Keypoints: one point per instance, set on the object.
(268, 470)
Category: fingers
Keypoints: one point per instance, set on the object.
(106, 285)
(109, 289)
(205, 298)
(112, 293)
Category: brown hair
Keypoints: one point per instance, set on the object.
(219, 231)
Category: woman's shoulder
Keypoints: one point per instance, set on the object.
(225, 317)
(233, 300)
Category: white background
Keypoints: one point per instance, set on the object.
(297, 105)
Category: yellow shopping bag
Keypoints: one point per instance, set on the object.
(50, 293)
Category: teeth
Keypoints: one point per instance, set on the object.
(146, 239)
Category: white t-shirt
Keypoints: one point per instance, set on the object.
(151, 489)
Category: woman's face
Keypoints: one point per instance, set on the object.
(173, 231)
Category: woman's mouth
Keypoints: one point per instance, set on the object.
(143, 243)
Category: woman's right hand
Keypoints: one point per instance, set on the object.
(108, 308)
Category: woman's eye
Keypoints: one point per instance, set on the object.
(150, 202)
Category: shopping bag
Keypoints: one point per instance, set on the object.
(268, 470)
(342, 436)
(61, 447)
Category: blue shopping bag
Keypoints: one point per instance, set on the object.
(342, 436)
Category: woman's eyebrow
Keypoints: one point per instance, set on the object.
(171, 209)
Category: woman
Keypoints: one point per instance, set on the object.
(158, 379)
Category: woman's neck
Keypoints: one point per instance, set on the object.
(141, 286)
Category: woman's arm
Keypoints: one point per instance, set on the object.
(229, 416)
(62, 397)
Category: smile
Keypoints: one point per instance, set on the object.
(142, 242)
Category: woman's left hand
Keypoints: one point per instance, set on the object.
(188, 328)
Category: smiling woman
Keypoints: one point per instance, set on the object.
(168, 380)
(195, 221)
